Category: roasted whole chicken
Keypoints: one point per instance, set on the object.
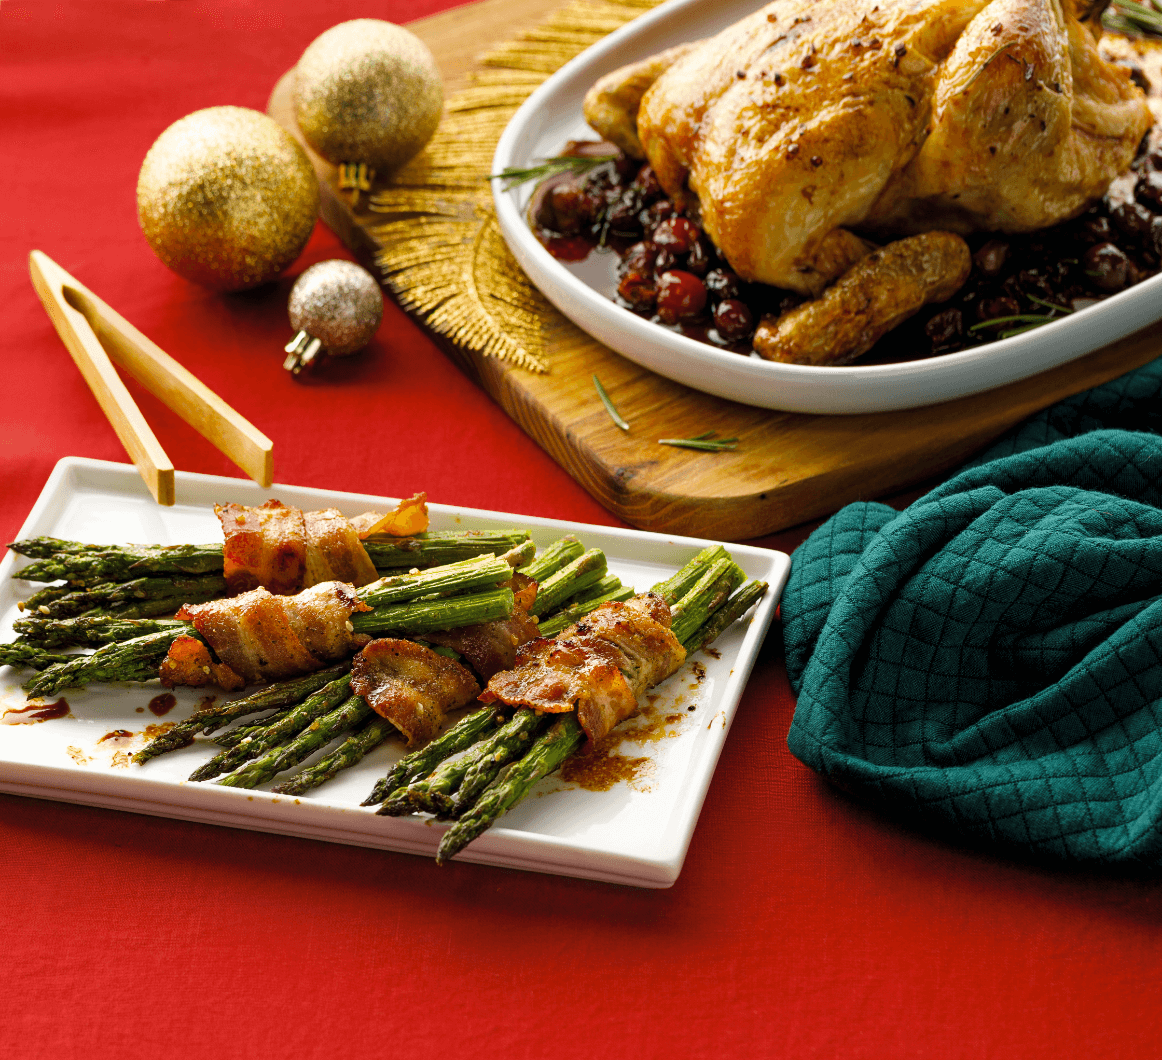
(813, 127)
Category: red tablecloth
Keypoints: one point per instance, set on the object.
(803, 924)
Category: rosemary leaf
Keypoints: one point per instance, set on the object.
(1019, 318)
(549, 167)
(608, 403)
(1049, 305)
(706, 442)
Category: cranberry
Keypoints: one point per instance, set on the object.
(681, 296)
(945, 329)
(700, 256)
(623, 214)
(638, 289)
(1132, 218)
(666, 259)
(639, 258)
(990, 259)
(722, 283)
(676, 235)
(1148, 191)
(647, 184)
(992, 308)
(653, 215)
(1154, 239)
(1097, 229)
(733, 319)
(1108, 267)
(1033, 282)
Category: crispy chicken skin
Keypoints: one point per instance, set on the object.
(811, 118)
(867, 301)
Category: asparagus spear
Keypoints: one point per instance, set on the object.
(279, 731)
(553, 558)
(25, 656)
(423, 760)
(233, 737)
(112, 595)
(90, 632)
(130, 660)
(439, 546)
(682, 581)
(424, 616)
(319, 732)
(43, 598)
(519, 555)
(737, 605)
(215, 715)
(584, 571)
(122, 562)
(566, 617)
(346, 754)
(387, 553)
(511, 743)
(476, 573)
(433, 793)
(562, 739)
(707, 595)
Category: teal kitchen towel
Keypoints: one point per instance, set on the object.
(989, 661)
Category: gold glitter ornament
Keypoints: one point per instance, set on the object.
(368, 91)
(227, 198)
(335, 306)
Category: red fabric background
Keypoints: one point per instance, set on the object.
(803, 924)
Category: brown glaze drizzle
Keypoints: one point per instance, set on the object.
(596, 768)
(43, 711)
(116, 734)
(163, 704)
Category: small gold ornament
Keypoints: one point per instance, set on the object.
(335, 308)
(368, 91)
(227, 198)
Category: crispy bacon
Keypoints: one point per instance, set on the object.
(334, 551)
(598, 667)
(408, 517)
(284, 549)
(262, 637)
(263, 546)
(411, 686)
(492, 646)
(189, 663)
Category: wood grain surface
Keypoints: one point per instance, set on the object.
(788, 467)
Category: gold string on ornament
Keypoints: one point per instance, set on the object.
(441, 251)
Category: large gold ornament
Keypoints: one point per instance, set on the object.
(227, 198)
(368, 91)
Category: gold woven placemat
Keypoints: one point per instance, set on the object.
(441, 249)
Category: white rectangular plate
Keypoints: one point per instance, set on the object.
(635, 833)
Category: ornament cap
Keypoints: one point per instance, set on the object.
(303, 350)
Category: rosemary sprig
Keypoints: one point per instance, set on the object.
(549, 167)
(708, 442)
(1036, 319)
(1049, 305)
(608, 403)
(1131, 16)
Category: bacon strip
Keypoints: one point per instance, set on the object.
(334, 551)
(263, 546)
(598, 667)
(189, 663)
(285, 549)
(411, 686)
(492, 646)
(262, 637)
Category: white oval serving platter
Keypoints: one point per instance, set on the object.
(552, 116)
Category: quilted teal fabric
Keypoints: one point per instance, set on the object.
(989, 661)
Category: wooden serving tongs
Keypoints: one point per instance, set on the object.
(97, 336)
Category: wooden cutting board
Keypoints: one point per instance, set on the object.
(788, 467)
